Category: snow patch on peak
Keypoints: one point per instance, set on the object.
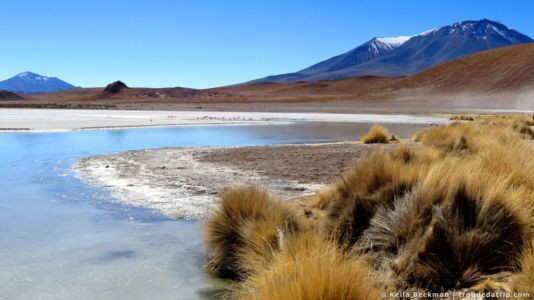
(427, 32)
(501, 33)
(394, 41)
(32, 76)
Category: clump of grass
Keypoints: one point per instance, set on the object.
(462, 118)
(247, 226)
(377, 134)
(456, 137)
(506, 119)
(455, 229)
(376, 180)
(524, 129)
(524, 281)
(310, 267)
(394, 139)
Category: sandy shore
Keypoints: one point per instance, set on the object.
(65, 119)
(184, 182)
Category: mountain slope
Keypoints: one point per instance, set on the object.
(404, 56)
(30, 83)
(349, 88)
(375, 48)
(508, 69)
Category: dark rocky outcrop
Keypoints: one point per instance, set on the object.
(115, 87)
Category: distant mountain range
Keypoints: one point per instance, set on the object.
(31, 83)
(408, 55)
(500, 78)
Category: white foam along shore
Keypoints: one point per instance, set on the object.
(173, 181)
(65, 119)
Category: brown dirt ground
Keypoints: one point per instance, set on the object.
(321, 164)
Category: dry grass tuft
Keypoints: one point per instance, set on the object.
(456, 137)
(524, 281)
(506, 119)
(376, 180)
(394, 139)
(524, 129)
(247, 226)
(309, 267)
(462, 118)
(452, 231)
(377, 134)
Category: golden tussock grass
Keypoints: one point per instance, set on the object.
(462, 118)
(246, 226)
(308, 267)
(377, 179)
(377, 134)
(496, 119)
(524, 281)
(454, 212)
(454, 229)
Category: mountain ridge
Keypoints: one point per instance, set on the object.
(411, 54)
(33, 83)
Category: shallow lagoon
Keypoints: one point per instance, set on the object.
(63, 239)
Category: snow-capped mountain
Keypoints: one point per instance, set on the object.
(393, 42)
(377, 47)
(31, 83)
(407, 55)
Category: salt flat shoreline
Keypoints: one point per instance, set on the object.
(66, 119)
(183, 183)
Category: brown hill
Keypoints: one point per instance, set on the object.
(350, 88)
(177, 94)
(506, 69)
(7, 95)
(118, 92)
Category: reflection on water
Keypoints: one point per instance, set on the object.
(63, 239)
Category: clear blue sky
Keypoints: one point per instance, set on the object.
(202, 43)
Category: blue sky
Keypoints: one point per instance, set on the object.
(205, 43)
